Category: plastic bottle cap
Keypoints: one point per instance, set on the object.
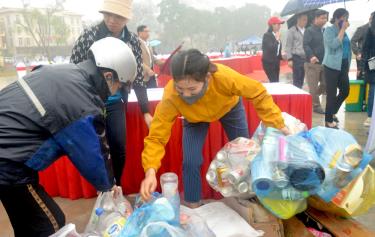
(263, 185)
(99, 211)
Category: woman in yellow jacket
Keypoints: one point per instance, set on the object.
(201, 92)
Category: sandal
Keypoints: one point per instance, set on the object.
(332, 125)
(335, 119)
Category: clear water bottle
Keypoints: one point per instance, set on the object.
(169, 186)
(113, 224)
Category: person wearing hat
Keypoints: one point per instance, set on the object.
(116, 14)
(57, 110)
(202, 92)
(272, 47)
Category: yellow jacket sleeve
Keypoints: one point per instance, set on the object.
(253, 90)
(159, 134)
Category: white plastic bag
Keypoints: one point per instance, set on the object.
(109, 203)
(68, 230)
(173, 231)
(194, 224)
(223, 221)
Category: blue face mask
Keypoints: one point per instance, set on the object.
(194, 98)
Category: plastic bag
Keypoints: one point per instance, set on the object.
(103, 217)
(194, 224)
(169, 230)
(224, 221)
(229, 171)
(159, 209)
(340, 155)
(353, 200)
(284, 209)
(293, 124)
(68, 230)
(286, 168)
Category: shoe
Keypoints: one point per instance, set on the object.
(367, 122)
(332, 125)
(319, 110)
(335, 119)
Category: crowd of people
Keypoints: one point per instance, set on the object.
(322, 55)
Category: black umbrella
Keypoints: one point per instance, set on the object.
(292, 21)
(295, 7)
(298, 6)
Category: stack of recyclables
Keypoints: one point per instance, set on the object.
(109, 215)
(341, 156)
(289, 169)
(229, 171)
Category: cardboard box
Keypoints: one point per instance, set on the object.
(339, 226)
(293, 227)
(257, 216)
(353, 200)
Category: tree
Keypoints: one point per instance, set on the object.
(44, 26)
(209, 30)
(60, 29)
(145, 13)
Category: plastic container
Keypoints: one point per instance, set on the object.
(354, 101)
(169, 186)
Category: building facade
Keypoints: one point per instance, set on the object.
(17, 40)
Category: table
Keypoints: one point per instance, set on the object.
(242, 64)
(62, 179)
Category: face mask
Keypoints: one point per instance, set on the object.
(194, 98)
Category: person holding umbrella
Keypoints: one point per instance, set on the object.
(337, 58)
(271, 46)
(314, 49)
(294, 49)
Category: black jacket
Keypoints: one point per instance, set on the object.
(358, 38)
(71, 97)
(313, 43)
(269, 48)
(368, 51)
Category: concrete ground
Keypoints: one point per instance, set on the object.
(78, 211)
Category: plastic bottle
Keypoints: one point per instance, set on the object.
(113, 224)
(169, 186)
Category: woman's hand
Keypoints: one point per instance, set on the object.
(148, 185)
(148, 119)
(285, 131)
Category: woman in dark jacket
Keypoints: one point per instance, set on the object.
(368, 52)
(271, 46)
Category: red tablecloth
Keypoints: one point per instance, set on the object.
(242, 64)
(62, 179)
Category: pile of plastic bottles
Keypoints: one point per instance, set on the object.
(109, 215)
(289, 169)
(229, 171)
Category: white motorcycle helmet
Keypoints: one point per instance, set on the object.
(114, 54)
